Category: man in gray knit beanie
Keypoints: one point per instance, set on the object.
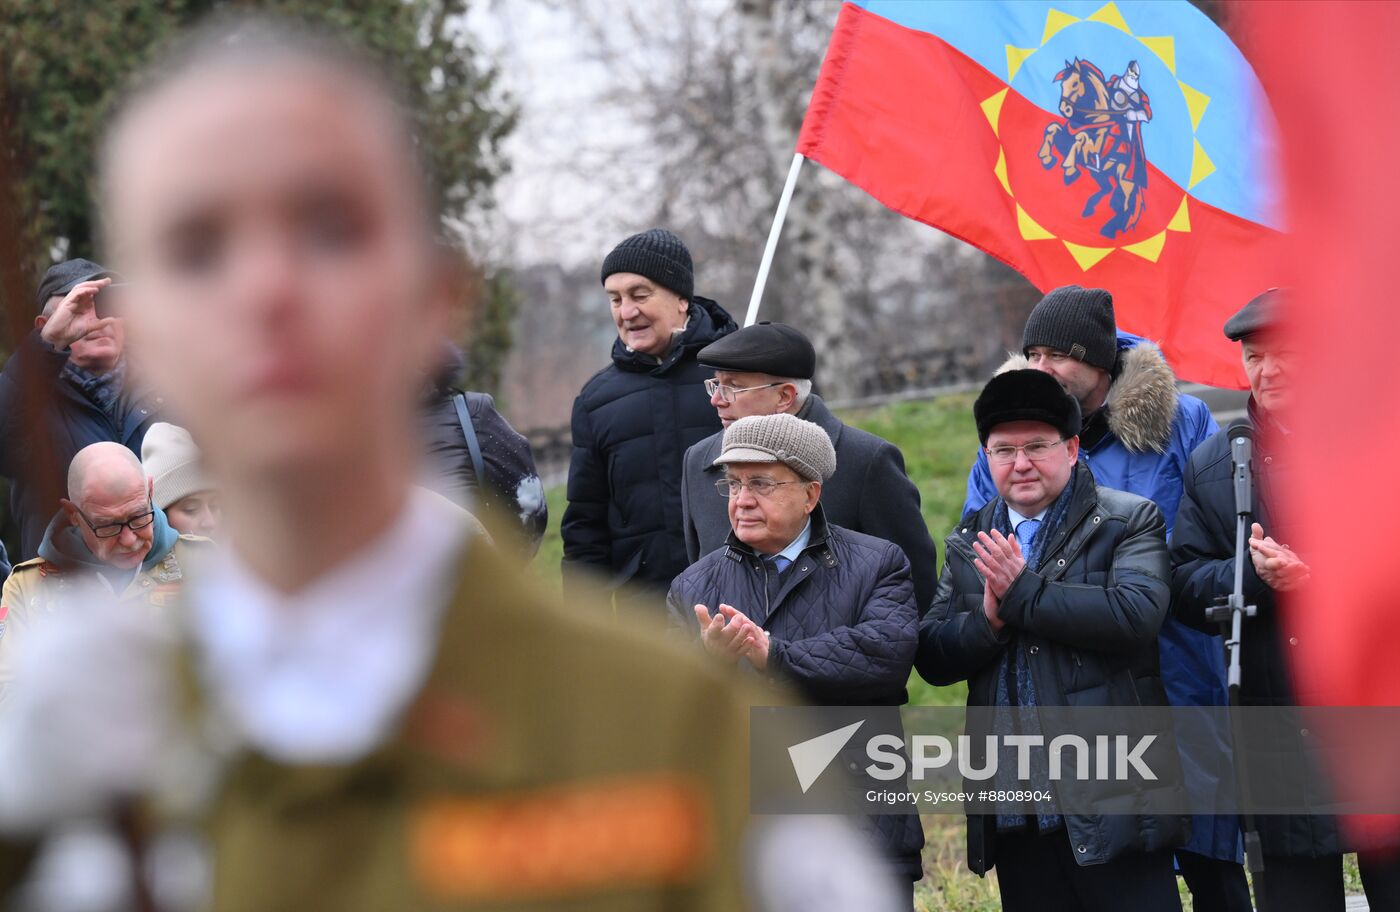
(800, 445)
(774, 469)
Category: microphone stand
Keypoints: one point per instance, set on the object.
(1231, 617)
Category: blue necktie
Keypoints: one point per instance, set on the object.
(781, 562)
(1026, 532)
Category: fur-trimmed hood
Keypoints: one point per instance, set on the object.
(1142, 399)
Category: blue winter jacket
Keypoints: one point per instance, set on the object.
(1151, 432)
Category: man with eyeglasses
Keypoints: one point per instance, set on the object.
(1138, 436)
(767, 369)
(801, 601)
(1052, 595)
(64, 387)
(108, 532)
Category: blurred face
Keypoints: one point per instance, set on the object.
(1086, 383)
(196, 514)
(1269, 364)
(1030, 485)
(769, 523)
(102, 506)
(290, 291)
(646, 315)
(764, 400)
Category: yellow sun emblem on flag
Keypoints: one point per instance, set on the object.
(1164, 47)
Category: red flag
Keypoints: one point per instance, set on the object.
(1340, 143)
(1102, 146)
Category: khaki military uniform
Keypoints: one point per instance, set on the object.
(37, 587)
(552, 760)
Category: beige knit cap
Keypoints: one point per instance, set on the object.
(169, 456)
(800, 445)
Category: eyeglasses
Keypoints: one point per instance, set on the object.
(1035, 451)
(761, 487)
(112, 530)
(727, 393)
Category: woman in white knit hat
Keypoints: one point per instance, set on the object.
(182, 490)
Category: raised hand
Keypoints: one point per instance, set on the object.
(76, 315)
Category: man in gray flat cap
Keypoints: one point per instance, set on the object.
(802, 601)
(767, 369)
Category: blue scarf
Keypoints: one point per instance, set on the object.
(1015, 686)
(103, 389)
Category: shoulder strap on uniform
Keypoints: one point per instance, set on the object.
(469, 432)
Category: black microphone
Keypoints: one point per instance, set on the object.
(1241, 437)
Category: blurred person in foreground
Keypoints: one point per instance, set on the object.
(802, 602)
(66, 385)
(107, 532)
(392, 732)
(1302, 852)
(179, 484)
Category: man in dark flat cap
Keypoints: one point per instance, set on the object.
(1302, 853)
(767, 369)
(63, 388)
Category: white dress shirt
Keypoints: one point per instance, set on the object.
(321, 675)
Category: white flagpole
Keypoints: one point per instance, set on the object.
(772, 246)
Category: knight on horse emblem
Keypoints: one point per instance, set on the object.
(1102, 134)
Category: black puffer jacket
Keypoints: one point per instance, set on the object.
(632, 424)
(843, 622)
(1203, 559)
(1089, 621)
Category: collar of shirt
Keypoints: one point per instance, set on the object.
(798, 544)
(321, 675)
(1016, 518)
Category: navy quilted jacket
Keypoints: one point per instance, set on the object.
(843, 624)
(843, 621)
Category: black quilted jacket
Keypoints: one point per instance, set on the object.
(843, 626)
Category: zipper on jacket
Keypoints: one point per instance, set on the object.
(767, 611)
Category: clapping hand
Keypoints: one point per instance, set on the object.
(1000, 561)
(1278, 565)
(729, 635)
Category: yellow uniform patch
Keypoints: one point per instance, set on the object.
(613, 834)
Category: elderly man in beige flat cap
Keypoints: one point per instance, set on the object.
(824, 610)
